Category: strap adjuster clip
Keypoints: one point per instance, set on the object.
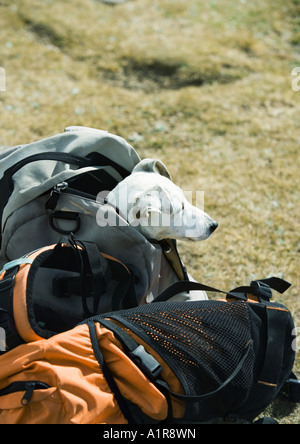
(146, 362)
(261, 290)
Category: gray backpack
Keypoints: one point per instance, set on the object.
(49, 189)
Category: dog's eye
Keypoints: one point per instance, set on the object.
(182, 206)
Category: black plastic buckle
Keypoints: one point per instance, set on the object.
(261, 290)
(146, 362)
(292, 389)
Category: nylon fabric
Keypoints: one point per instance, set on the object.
(78, 393)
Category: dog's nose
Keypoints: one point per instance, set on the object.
(213, 226)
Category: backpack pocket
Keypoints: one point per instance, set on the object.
(26, 388)
(29, 229)
(30, 402)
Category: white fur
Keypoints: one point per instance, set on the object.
(152, 203)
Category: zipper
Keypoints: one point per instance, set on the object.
(24, 386)
(63, 187)
(55, 195)
(81, 194)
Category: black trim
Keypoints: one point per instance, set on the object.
(107, 374)
(37, 263)
(99, 159)
(12, 337)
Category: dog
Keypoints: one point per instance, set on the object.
(156, 207)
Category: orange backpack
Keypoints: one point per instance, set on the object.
(54, 288)
(174, 362)
(62, 380)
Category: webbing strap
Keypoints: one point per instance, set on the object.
(182, 286)
(107, 374)
(100, 272)
(238, 293)
(277, 321)
(16, 262)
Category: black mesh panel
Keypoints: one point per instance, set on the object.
(203, 342)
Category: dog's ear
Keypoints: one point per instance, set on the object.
(146, 208)
(147, 212)
(152, 166)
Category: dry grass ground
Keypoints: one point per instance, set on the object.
(203, 85)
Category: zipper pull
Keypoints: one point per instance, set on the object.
(55, 195)
(29, 389)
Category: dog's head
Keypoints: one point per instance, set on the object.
(158, 208)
